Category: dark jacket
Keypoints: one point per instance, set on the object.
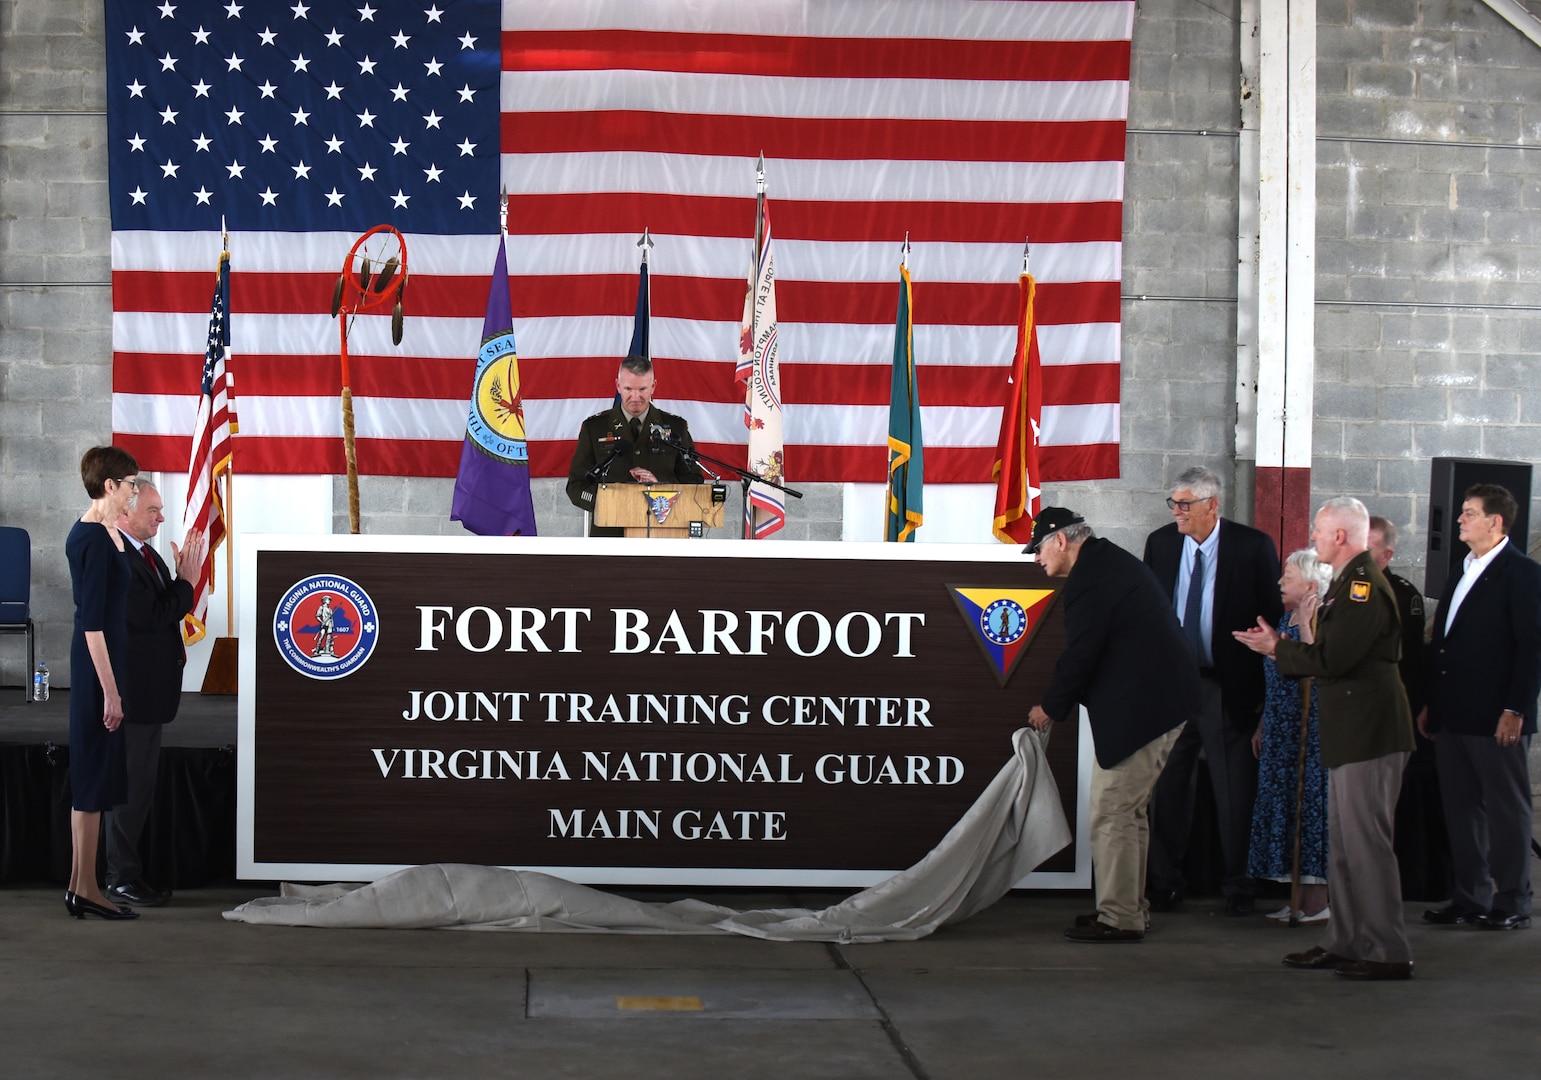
(1125, 656)
(1414, 615)
(1491, 659)
(1246, 587)
(1364, 713)
(152, 681)
(610, 430)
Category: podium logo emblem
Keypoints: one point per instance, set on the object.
(661, 504)
(326, 627)
(1003, 622)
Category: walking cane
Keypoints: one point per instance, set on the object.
(1300, 796)
(1300, 784)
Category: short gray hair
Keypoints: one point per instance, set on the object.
(1388, 531)
(1312, 569)
(1201, 481)
(1075, 534)
(1352, 516)
(133, 500)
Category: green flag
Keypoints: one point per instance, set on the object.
(904, 443)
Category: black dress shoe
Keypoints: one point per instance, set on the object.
(1091, 920)
(80, 907)
(1317, 958)
(1502, 920)
(1450, 915)
(1239, 905)
(1101, 932)
(137, 894)
(1164, 899)
(1376, 971)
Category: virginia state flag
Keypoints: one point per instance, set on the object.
(492, 490)
(759, 370)
(905, 467)
(1018, 497)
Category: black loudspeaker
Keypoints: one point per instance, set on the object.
(1449, 478)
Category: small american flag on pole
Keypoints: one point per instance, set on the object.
(211, 451)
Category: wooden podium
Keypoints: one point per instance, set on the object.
(656, 510)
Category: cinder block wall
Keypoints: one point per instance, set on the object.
(1428, 262)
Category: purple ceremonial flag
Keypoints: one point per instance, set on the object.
(492, 490)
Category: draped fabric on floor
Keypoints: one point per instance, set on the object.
(1016, 823)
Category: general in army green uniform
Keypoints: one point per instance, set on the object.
(1366, 736)
(627, 443)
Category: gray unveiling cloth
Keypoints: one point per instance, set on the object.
(1015, 825)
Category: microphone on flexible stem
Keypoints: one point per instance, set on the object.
(598, 471)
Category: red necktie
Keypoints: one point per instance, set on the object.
(144, 549)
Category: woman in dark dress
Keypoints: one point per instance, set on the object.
(99, 573)
(1277, 746)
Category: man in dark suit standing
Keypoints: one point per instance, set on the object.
(1366, 736)
(1220, 576)
(152, 683)
(1484, 676)
(1423, 852)
(1126, 661)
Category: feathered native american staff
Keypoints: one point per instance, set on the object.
(362, 288)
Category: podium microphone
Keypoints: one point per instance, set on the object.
(598, 471)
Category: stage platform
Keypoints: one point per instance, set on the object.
(203, 722)
(189, 839)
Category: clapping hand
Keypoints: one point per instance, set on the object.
(189, 557)
(1260, 639)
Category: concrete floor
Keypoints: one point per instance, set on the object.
(182, 992)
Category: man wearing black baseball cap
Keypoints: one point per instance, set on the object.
(1127, 662)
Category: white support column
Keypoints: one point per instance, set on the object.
(1286, 258)
(1300, 272)
(1247, 237)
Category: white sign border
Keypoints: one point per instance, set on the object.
(248, 868)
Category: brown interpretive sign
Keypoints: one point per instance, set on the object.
(611, 711)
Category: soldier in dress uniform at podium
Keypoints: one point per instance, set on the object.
(627, 443)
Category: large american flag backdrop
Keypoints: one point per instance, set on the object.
(968, 124)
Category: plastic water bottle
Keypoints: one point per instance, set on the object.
(40, 682)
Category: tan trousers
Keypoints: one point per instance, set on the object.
(1121, 833)
(1362, 870)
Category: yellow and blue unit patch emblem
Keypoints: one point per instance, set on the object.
(1359, 591)
(1003, 622)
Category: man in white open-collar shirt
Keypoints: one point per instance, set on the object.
(1484, 677)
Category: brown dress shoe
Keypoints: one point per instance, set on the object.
(1316, 958)
(1376, 971)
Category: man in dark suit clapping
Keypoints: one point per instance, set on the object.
(1483, 678)
(152, 683)
(1125, 661)
(1220, 576)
